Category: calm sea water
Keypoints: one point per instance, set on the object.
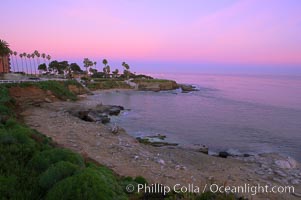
(245, 114)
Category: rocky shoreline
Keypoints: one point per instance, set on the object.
(169, 164)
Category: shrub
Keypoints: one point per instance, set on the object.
(140, 180)
(88, 184)
(58, 89)
(55, 173)
(7, 186)
(44, 159)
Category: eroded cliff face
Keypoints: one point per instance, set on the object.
(157, 85)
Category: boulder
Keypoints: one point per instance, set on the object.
(48, 100)
(188, 88)
(105, 119)
(115, 129)
(287, 163)
(109, 109)
(93, 116)
(223, 154)
(204, 149)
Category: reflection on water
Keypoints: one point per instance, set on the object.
(246, 113)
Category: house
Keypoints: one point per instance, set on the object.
(4, 64)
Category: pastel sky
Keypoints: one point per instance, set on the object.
(161, 35)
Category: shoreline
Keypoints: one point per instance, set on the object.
(232, 152)
(167, 165)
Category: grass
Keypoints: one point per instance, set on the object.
(107, 84)
(152, 80)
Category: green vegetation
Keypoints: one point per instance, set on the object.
(151, 80)
(102, 83)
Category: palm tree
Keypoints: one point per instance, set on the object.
(37, 54)
(87, 63)
(34, 66)
(21, 56)
(25, 56)
(11, 53)
(48, 57)
(4, 51)
(29, 56)
(15, 54)
(126, 71)
(105, 62)
(115, 73)
(108, 70)
(95, 63)
(44, 57)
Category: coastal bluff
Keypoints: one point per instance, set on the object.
(156, 85)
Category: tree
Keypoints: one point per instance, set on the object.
(34, 66)
(15, 54)
(42, 67)
(87, 63)
(25, 56)
(105, 62)
(37, 54)
(4, 51)
(126, 70)
(93, 71)
(43, 55)
(58, 67)
(106, 69)
(29, 56)
(21, 56)
(95, 64)
(48, 57)
(115, 73)
(75, 68)
(11, 53)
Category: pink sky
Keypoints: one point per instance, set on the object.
(252, 32)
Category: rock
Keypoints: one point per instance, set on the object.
(223, 154)
(159, 136)
(105, 119)
(280, 173)
(115, 110)
(294, 181)
(115, 129)
(48, 92)
(204, 149)
(288, 163)
(161, 161)
(93, 116)
(188, 88)
(48, 100)
(109, 109)
(296, 194)
(180, 167)
(156, 85)
(82, 96)
(260, 172)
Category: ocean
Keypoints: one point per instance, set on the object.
(235, 113)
